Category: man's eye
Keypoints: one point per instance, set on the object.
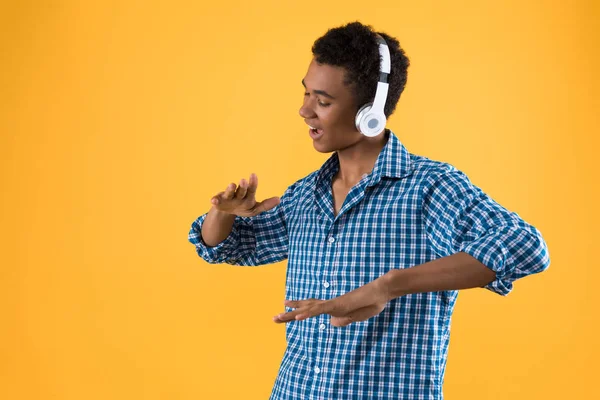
(321, 104)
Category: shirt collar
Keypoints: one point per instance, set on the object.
(393, 162)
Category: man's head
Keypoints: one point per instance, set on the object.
(342, 77)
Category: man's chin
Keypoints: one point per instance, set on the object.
(321, 148)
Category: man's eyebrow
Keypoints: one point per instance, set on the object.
(321, 92)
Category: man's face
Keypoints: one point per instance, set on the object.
(330, 106)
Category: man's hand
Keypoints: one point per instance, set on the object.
(358, 305)
(242, 201)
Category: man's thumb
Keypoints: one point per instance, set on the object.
(268, 204)
(341, 321)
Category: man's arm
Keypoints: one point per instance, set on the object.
(238, 230)
(479, 244)
(455, 272)
(217, 227)
(460, 218)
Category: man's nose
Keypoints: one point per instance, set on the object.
(306, 112)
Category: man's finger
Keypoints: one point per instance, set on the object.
(301, 303)
(341, 321)
(292, 315)
(313, 310)
(362, 314)
(252, 185)
(229, 191)
(286, 317)
(242, 189)
(216, 199)
(294, 303)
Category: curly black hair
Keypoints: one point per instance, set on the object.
(354, 47)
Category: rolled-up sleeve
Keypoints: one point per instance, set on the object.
(262, 239)
(460, 217)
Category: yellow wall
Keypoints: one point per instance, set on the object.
(119, 120)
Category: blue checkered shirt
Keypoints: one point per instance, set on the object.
(409, 210)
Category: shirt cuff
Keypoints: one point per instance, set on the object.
(213, 254)
(491, 250)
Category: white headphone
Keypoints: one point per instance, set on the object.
(370, 119)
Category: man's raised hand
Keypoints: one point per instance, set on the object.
(241, 200)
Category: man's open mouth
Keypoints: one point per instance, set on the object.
(316, 131)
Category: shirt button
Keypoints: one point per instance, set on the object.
(331, 239)
(322, 327)
(326, 284)
(317, 370)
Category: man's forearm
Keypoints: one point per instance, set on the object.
(458, 271)
(216, 227)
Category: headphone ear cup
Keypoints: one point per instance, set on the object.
(360, 115)
(375, 124)
(368, 122)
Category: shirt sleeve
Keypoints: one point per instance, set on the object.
(460, 217)
(258, 240)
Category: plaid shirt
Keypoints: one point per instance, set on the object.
(409, 210)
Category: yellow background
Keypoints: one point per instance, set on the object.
(119, 120)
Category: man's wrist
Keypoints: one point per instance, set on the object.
(393, 284)
(222, 215)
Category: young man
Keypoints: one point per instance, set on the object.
(378, 241)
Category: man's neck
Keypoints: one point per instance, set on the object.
(359, 159)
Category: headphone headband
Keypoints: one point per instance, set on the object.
(384, 71)
(370, 119)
